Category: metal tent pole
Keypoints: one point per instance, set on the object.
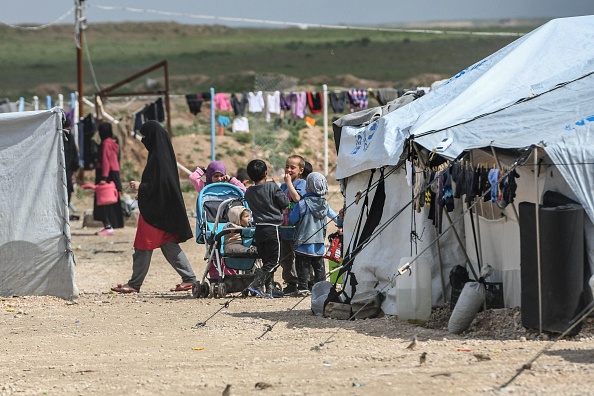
(537, 206)
(325, 99)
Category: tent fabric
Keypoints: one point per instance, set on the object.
(376, 265)
(35, 247)
(558, 52)
(537, 91)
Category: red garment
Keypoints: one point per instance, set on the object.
(150, 238)
(109, 157)
(315, 102)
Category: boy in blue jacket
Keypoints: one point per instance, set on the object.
(310, 216)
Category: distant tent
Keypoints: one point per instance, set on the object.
(35, 248)
(537, 91)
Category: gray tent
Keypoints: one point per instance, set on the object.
(35, 248)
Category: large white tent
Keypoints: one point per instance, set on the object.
(537, 91)
(35, 249)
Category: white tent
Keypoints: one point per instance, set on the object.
(538, 90)
(35, 249)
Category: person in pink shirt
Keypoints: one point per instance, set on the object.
(107, 170)
(215, 173)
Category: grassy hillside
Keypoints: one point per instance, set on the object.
(44, 62)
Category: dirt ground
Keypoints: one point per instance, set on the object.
(148, 344)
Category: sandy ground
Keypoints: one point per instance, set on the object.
(148, 343)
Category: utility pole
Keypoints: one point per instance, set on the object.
(80, 24)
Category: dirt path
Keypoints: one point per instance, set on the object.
(148, 344)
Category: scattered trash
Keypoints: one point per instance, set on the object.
(358, 384)
(463, 350)
(327, 365)
(10, 309)
(197, 349)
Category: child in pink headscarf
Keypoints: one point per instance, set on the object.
(215, 173)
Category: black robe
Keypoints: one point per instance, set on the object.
(159, 197)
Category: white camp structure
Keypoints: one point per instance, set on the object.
(35, 248)
(538, 92)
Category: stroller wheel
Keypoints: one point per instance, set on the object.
(222, 290)
(196, 290)
(204, 289)
(214, 288)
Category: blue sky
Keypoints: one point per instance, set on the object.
(303, 11)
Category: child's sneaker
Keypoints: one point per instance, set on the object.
(105, 231)
(302, 293)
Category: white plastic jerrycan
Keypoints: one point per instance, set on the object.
(413, 291)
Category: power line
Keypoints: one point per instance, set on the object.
(39, 27)
(300, 25)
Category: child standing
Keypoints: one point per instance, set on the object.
(294, 189)
(239, 217)
(310, 215)
(215, 173)
(267, 202)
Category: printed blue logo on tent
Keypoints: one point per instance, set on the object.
(580, 123)
(363, 137)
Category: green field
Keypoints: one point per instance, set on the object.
(44, 62)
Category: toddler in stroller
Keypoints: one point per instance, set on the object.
(239, 218)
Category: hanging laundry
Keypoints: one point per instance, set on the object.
(272, 104)
(223, 120)
(91, 149)
(315, 102)
(299, 101)
(494, 180)
(338, 101)
(194, 103)
(222, 102)
(384, 95)
(447, 194)
(206, 96)
(240, 124)
(255, 102)
(359, 98)
(159, 110)
(509, 188)
(239, 104)
(285, 102)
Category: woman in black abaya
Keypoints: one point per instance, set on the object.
(163, 222)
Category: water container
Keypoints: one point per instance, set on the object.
(413, 291)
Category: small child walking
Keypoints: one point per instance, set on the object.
(310, 216)
(267, 201)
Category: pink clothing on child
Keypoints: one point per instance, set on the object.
(196, 180)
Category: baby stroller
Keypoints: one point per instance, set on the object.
(224, 273)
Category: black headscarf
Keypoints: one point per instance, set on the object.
(159, 198)
(105, 131)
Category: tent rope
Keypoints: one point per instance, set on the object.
(408, 266)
